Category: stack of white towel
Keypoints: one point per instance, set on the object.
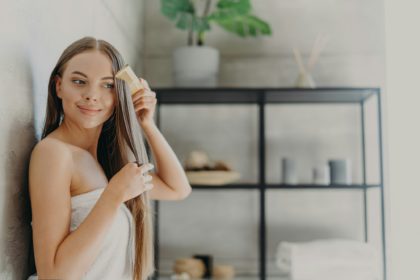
(329, 259)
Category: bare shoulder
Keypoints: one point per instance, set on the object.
(51, 161)
(50, 147)
(50, 175)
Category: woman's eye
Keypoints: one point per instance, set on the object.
(79, 82)
(109, 85)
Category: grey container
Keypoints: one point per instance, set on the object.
(340, 171)
(289, 174)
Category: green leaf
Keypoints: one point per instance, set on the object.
(236, 6)
(260, 26)
(182, 12)
(184, 21)
(252, 30)
(174, 9)
(201, 24)
(242, 25)
(234, 16)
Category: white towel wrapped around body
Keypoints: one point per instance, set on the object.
(341, 259)
(116, 257)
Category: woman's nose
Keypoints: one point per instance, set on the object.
(90, 98)
(90, 94)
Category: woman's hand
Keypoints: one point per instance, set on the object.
(130, 181)
(144, 102)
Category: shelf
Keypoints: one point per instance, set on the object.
(265, 95)
(260, 98)
(282, 186)
(227, 187)
(239, 277)
(205, 96)
(312, 186)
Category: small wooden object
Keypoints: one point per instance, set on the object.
(223, 272)
(127, 74)
(214, 178)
(194, 267)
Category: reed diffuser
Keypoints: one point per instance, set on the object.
(305, 79)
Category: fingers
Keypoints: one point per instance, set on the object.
(144, 99)
(142, 168)
(145, 91)
(148, 187)
(147, 95)
(146, 167)
(144, 105)
(145, 83)
(147, 182)
(147, 179)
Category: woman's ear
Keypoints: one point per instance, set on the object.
(57, 81)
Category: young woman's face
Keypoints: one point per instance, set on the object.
(86, 89)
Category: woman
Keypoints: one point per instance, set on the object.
(88, 185)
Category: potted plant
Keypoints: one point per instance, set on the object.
(197, 65)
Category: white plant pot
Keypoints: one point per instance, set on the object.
(195, 66)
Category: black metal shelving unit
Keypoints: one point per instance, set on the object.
(261, 97)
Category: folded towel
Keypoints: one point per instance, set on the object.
(328, 259)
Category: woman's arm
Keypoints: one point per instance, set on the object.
(170, 181)
(60, 254)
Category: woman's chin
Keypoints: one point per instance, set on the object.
(91, 124)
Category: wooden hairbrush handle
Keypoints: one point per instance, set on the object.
(127, 74)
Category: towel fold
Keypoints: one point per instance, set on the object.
(328, 259)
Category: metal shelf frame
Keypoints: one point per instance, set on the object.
(261, 97)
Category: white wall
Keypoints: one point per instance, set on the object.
(354, 57)
(33, 34)
(403, 136)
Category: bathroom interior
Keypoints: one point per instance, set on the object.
(308, 182)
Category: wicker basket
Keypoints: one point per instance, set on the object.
(215, 178)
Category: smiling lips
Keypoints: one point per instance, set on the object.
(88, 110)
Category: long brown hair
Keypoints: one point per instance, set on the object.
(117, 140)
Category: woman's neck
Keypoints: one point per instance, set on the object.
(83, 138)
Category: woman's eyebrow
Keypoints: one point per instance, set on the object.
(84, 75)
(80, 73)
